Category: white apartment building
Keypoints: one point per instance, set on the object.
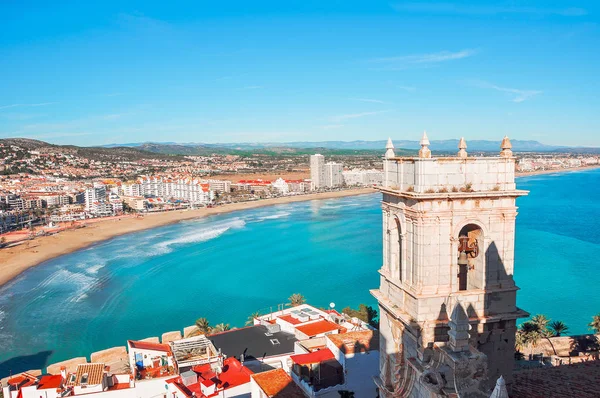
(187, 189)
(102, 209)
(333, 175)
(281, 186)
(95, 194)
(317, 171)
(131, 189)
(54, 199)
(363, 177)
(219, 185)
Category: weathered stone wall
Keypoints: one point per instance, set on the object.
(422, 175)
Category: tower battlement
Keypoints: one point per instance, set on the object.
(441, 175)
(426, 174)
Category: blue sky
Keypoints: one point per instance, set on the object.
(248, 71)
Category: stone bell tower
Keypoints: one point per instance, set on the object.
(447, 298)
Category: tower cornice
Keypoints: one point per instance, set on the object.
(515, 193)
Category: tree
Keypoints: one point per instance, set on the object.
(528, 334)
(558, 327)
(221, 327)
(296, 299)
(595, 323)
(203, 326)
(542, 322)
(251, 318)
(127, 208)
(365, 313)
(539, 330)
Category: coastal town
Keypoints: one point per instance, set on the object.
(299, 350)
(45, 189)
(52, 189)
(299, 199)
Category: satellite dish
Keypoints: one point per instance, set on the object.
(332, 305)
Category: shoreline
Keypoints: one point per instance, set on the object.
(558, 171)
(17, 259)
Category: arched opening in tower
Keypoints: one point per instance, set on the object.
(470, 258)
(399, 243)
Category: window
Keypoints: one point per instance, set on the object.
(275, 342)
(84, 378)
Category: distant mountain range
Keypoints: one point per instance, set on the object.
(365, 148)
(297, 147)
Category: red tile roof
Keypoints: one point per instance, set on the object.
(277, 383)
(580, 380)
(319, 327)
(313, 357)
(146, 345)
(358, 341)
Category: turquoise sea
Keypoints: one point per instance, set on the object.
(226, 267)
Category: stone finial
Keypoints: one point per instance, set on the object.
(462, 146)
(389, 149)
(425, 152)
(506, 148)
(459, 329)
(500, 390)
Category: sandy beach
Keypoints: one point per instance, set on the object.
(541, 172)
(15, 260)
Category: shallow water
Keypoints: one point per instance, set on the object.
(226, 267)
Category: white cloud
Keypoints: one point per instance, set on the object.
(340, 118)
(27, 105)
(421, 60)
(517, 94)
(374, 101)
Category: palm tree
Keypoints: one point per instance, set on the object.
(595, 323)
(221, 327)
(542, 322)
(558, 328)
(251, 318)
(203, 326)
(296, 299)
(530, 334)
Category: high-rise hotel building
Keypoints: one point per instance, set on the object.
(317, 171)
(333, 174)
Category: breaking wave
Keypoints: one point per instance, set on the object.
(203, 235)
(275, 216)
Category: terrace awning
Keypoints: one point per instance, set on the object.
(313, 357)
